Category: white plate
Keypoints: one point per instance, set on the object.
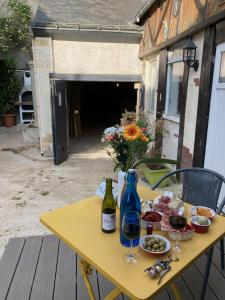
(180, 210)
(155, 236)
(193, 211)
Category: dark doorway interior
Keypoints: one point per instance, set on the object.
(93, 106)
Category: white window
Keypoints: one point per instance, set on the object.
(222, 68)
(174, 87)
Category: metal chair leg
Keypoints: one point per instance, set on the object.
(222, 253)
(206, 275)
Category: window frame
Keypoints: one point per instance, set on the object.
(170, 63)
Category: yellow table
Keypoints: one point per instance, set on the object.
(79, 226)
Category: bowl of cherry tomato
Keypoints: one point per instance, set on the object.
(153, 218)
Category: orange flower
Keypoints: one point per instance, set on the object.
(132, 132)
(144, 138)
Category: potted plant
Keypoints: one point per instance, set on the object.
(154, 171)
(8, 91)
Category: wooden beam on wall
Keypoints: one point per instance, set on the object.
(150, 33)
(182, 115)
(220, 32)
(161, 92)
(194, 29)
(201, 8)
(161, 21)
(204, 97)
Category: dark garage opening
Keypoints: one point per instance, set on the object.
(93, 106)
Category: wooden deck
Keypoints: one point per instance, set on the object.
(44, 268)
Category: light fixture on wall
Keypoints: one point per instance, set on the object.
(189, 55)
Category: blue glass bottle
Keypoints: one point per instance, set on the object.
(130, 201)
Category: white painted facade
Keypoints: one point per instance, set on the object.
(93, 58)
(192, 97)
(76, 57)
(214, 154)
(170, 140)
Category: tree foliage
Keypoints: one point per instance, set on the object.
(15, 26)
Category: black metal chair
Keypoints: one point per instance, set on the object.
(201, 187)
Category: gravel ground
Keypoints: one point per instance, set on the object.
(31, 184)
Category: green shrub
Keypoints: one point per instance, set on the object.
(8, 86)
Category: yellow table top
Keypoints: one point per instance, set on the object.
(79, 226)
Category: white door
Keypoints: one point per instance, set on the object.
(215, 146)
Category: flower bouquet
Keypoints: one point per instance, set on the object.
(130, 143)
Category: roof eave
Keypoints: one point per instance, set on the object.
(91, 27)
(91, 35)
(143, 11)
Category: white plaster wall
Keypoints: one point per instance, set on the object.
(170, 140)
(75, 57)
(43, 63)
(192, 97)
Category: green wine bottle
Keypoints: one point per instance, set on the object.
(108, 209)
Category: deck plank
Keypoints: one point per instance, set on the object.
(182, 288)
(216, 261)
(193, 280)
(65, 281)
(8, 264)
(23, 278)
(44, 268)
(106, 287)
(215, 279)
(44, 280)
(164, 295)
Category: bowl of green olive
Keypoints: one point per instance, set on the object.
(155, 244)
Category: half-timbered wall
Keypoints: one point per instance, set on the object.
(166, 21)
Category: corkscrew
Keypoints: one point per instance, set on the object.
(161, 268)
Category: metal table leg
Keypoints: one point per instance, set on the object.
(86, 271)
(206, 275)
(175, 291)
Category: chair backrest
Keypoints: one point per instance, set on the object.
(200, 186)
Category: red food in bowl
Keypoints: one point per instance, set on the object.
(152, 216)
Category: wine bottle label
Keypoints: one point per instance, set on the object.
(108, 221)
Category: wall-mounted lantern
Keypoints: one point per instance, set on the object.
(189, 55)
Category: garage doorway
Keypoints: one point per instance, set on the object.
(93, 106)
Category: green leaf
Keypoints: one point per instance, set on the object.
(156, 160)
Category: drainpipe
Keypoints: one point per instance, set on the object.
(37, 96)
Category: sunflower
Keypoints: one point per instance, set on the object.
(132, 132)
